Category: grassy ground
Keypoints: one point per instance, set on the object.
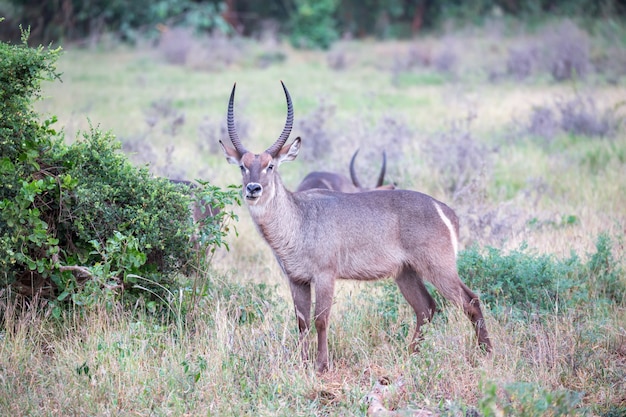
(236, 354)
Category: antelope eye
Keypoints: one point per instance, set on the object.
(270, 167)
(242, 168)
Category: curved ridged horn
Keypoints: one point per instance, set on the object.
(355, 181)
(232, 132)
(381, 177)
(273, 150)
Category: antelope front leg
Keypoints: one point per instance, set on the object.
(301, 294)
(324, 291)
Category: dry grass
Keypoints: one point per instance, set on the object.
(113, 362)
(118, 363)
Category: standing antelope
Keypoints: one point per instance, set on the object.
(337, 182)
(319, 236)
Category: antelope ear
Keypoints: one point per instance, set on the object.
(289, 152)
(232, 156)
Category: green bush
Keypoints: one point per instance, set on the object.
(78, 222)
(528, 400)
(519, 281)
(522, 283)
(23, 140)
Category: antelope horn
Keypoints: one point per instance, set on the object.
(381, 177)
(355, 181)
(273, 150)
(232, 132)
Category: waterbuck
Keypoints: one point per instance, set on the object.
(319, 236)
(337, 182)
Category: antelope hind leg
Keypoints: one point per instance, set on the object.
(449, 284)
(471, 306)
(414, 291)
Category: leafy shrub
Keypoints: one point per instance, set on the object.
(543, 122)
(164, 112)
(567, 52)
(210, 52)
(22, 140)
(446, 60)
(521, 62)
(267, 58)
(416, 56)
(175, 45)
(457, 156)
(528, 400)
(79, 222)
(212, 130)
(314, 127)
(521, 283)
(578, 116)
(518, 282)
(337, 59)
(392, 133)
(211, 228)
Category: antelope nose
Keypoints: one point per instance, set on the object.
(253, 190)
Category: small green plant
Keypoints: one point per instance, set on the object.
(527, 400)
(607, 276)
(194, 368)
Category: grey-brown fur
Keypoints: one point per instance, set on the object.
(319, 236)
(324, 180)
(337, 182)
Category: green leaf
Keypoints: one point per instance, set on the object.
(6, 166)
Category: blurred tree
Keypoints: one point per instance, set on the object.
(72, 20)
(312, 24)
(305, 22)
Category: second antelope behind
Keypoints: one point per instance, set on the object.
(319, 236)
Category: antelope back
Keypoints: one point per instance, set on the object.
(327, 181)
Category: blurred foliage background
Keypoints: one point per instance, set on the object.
(307, 23)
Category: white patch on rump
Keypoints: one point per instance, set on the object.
(448, 223)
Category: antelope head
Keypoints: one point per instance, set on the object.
(259, 171)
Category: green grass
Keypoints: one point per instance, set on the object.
(208, 361)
